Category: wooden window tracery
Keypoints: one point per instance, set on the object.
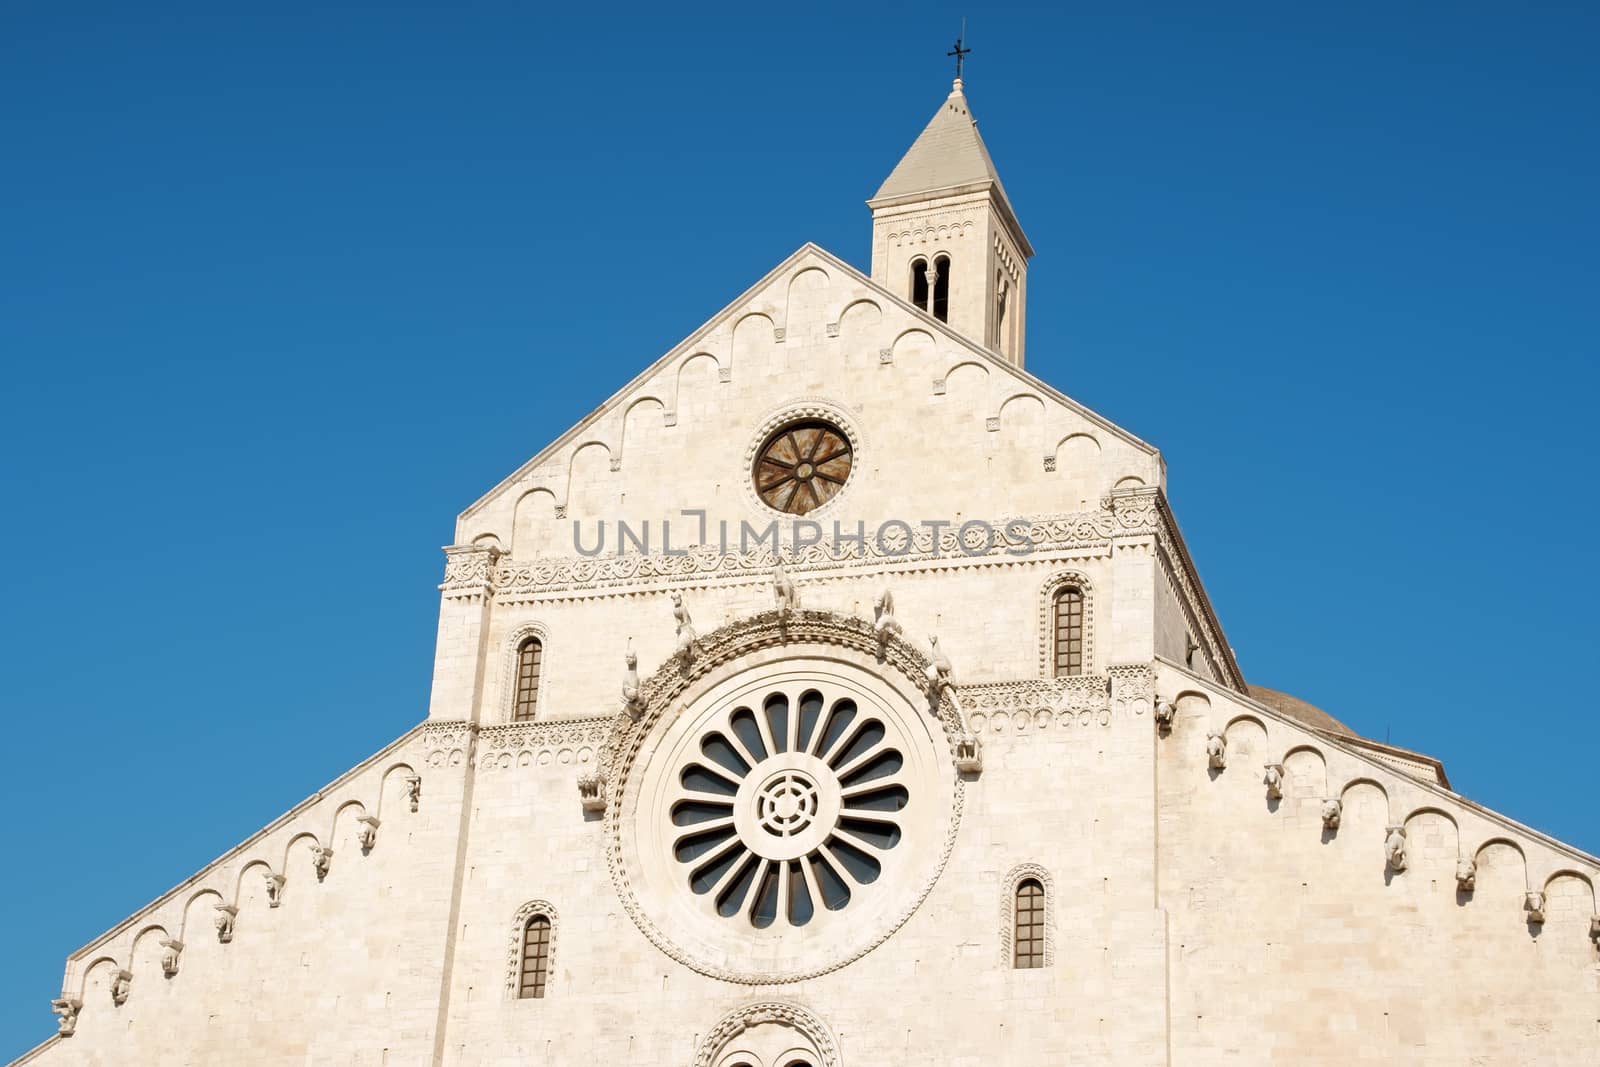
(1068, 631)
(535, 957)
(530, 660)
(1027, 941)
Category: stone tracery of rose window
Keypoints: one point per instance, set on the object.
(791, 804)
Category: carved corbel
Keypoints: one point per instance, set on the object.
(969, 754)
(1166, 715)
(226, 914)
(1534, 906)
(121, 984)
(171, 950)
(1332, 812)
(940, 671)
(785, 597)
(632, 690)
(321, 861)
(592, 792)
(687, 638)
(67, 1008)
(1394, 847)
(883, 621)
(1217, 750)
(274, 889)
(414, 790)
(368, 835)
(1594, 930)
(1466, 875)
(1274, 780)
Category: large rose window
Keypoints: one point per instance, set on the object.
(791, 804)
(779, 818)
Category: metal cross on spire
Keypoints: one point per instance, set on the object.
(959, 52)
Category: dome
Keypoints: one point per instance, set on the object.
(1300, 711)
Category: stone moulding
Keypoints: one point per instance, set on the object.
(511, 578)
(258, 856)
(784, 1013)
(661, 695)
(1008, 898)
(1476, 827)
(519, 922)
(546, 743)
(1064, 579)
(1036, 704)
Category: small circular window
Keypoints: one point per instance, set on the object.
(802, 466)
(790, 806)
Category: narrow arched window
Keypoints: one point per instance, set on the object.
(1000, 314)
(535, 957)
(1027, 940)
(941, 289)
(1069, 631)
(530, 657)
(919, 283)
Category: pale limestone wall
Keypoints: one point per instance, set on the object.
(1070, 797)
(585, 636)
(969, 230)
(345, 970)
(1290, 941)
(682, 434)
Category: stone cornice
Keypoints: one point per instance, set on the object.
(467, 571)
(1442, 797)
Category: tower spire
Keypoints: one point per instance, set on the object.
(944, 235)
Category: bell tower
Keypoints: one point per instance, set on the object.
(945, 238)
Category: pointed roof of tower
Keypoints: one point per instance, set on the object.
(948, 154)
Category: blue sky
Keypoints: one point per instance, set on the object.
(281, 292)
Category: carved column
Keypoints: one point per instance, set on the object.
(466, 596)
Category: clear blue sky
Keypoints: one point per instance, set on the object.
(281, 293)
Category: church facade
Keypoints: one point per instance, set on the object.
(838, 693)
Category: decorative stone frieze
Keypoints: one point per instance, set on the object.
(469, 571)
(1132, 686)
(721, 561)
